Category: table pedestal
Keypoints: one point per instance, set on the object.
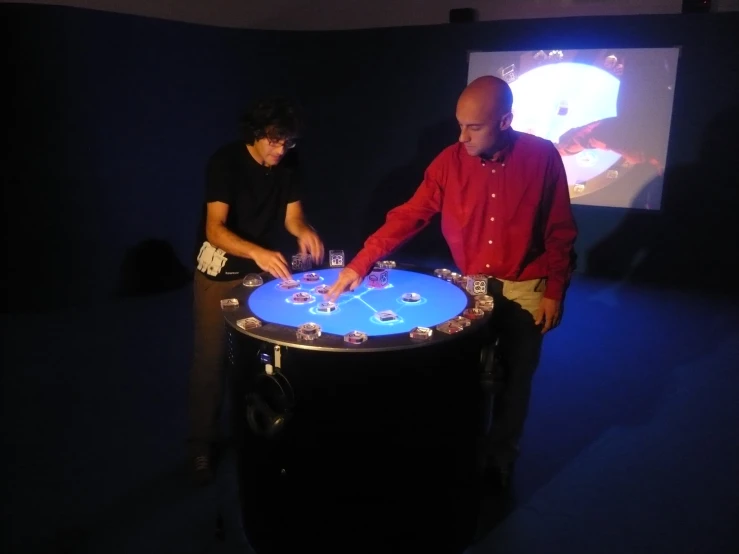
(362, 443)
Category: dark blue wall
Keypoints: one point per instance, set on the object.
(111, 119)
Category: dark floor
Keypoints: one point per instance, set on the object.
(632, 443)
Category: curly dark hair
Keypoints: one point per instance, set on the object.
(276, 118)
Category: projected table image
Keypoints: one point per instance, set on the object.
(607, 111)
(552, 99)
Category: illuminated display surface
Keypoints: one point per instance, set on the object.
(364, 309)
(550, 100)
(606, 110)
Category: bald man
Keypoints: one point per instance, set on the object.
(505, 213)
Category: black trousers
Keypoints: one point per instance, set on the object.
(519, 351)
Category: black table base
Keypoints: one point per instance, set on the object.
(368, 447)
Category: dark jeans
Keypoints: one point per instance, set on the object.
(519, 351)
(207, 374)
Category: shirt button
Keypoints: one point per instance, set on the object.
(487, 265)
(503, 165)
(493, 195)
(493, 171)
(490, 242)
(492, 219)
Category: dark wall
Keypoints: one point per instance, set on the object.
(112, 117)
(110, 122)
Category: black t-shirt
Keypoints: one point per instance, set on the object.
(257, 197)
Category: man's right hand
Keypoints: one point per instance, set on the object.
(272, 262)
(348, 280)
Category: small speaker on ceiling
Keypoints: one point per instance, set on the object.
(696, 6)
(462, 15)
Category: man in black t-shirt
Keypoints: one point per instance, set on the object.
(252, 188)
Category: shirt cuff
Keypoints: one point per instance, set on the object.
(361, 264)
(554, 289)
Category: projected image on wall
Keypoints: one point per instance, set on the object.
(607, 111)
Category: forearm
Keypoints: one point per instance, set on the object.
(559, 243)
(560, 234)
(398, 229)
(402, 222)
(559, 257)
(297, 226)
(228, 241)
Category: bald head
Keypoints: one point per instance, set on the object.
(490, 95)
(484, 115)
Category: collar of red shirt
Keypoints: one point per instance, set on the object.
(502, 154)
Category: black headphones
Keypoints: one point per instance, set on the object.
(269, 407)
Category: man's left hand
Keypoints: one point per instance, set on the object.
(549, 314)
(310, 243)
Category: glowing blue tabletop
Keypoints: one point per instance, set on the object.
(385, 314)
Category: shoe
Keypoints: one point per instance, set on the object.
(201, 470)
(498, 476)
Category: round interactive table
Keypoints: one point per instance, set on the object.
(370, 318)
(375, 393)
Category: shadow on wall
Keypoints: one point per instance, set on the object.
(151, 267)
(401, 183)
(692, 242)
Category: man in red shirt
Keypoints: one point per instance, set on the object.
(505, 212)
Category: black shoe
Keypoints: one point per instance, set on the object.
(498, 476)
(201, 470)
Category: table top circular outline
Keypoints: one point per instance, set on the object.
(286, 335)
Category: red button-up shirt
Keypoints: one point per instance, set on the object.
(509, 217)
